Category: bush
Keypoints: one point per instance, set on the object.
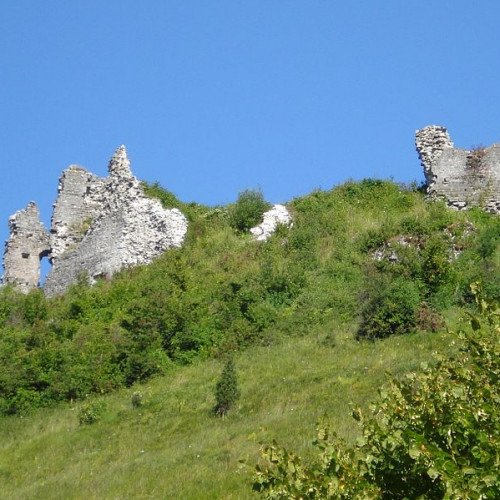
(436, 434)
(248, 210)
(432, 435)
(436, 268)
(333, 475)
(136, 399)
(429, 320)
(226, 390)
(390, 308)
(91, 412)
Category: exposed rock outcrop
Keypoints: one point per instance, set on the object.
(27, 244)
(464, 178)
(271, 219)
(100, 226)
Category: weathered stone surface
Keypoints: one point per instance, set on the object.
(27, 244)
(79, 202)
(271, 219)
(106, 225)
(463, 177)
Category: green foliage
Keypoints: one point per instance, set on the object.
(435, 263)
(390, 308)
(91, 412)
(286, 386)
(428, 319)
(437, 433)
(137, 399)
(226, 389)
(433, 434)
(333, 475)
(223, 292)
(489, 240)
(167, 198)
(248, 210)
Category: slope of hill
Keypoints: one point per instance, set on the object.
(173, 447)
(364, 260)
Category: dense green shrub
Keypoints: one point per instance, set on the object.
(248, 210)
(434, 434)
(335, 474)
(390, 308)
(91, 412)
(489, 240)
(226, 389)
(436, 267)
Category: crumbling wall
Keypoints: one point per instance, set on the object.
(79, 202)
(99, 226)
(27, 244)
(121, 226)
(464, 178)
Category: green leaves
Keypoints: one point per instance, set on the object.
(226, 389)
(435, 434)
(248, 210)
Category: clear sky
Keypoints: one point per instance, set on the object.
(215, 96)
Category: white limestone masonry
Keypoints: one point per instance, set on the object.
(464, 178)
(99, 226)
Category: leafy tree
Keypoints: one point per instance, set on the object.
(226, 389)
(248, 209)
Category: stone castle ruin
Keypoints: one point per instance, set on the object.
(99, 226)
(464, 178)
(28, 243)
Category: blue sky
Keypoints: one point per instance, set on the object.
(215, 96)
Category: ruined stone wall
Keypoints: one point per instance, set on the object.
(121, 226)
(27, 244)
(79, 202)
(464, 178)
(99, 226)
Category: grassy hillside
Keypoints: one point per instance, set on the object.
(367, 260)
(173, 446)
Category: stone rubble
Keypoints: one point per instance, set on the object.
(277, 215)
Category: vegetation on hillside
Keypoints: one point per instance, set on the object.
(299, 314)
(223, 292)
(434, 434)
(172, 445)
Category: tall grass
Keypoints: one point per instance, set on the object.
(173, 447)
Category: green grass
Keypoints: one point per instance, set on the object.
(287, 308)
(173, 447)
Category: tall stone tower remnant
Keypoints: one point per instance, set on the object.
(464, 178)
(27, 244)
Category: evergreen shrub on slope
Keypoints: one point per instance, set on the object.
(226, 389)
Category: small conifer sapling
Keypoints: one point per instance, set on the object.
(226, 389)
